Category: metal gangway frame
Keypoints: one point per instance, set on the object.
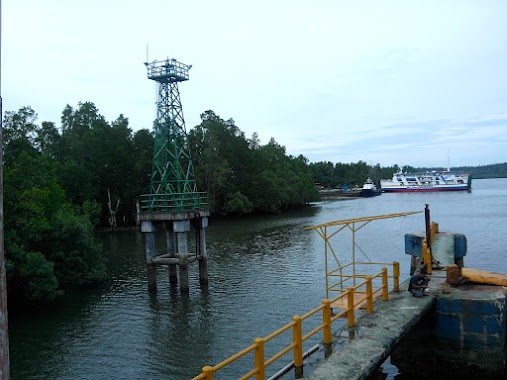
(347, 272)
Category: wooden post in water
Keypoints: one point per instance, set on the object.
(202, 253)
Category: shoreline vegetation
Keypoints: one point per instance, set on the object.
(62, 183)
(335, 194)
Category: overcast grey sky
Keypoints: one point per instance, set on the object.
(419, 83)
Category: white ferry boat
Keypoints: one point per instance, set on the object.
(428, 181)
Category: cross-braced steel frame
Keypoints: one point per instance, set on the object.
(173, 185)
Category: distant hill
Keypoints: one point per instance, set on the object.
(483, 171)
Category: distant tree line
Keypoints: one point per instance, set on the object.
(336, 175)
(486, 171)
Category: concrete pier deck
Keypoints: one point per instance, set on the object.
(469, 327)
(378, 333)
(468, 323)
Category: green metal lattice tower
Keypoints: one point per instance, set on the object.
(173, 205)
(173, 186)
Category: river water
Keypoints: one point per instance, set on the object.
(262, 271)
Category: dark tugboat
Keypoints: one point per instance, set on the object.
(369, 189)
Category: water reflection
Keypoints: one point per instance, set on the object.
(262, 271)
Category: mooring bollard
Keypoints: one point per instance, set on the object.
(453, 274)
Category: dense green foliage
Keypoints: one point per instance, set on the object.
(241, 176)
(61, 183)
(48, 244)
(54, 186)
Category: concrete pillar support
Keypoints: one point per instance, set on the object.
(181, 228)
(171, 251)
(176, 256)
(148, 229)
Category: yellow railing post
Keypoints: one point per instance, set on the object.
(385, 288)
(396, 276)
(297, 337)
(369, 295)
(208, 371)
(433, 230)
(259, 359)
(326, 321)
(350, 307)
(426, 256)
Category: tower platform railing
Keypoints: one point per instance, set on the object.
(173, 202)
(169, 70)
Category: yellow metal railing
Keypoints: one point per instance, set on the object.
(346, 274)
(350, 301)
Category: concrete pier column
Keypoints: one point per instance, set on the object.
(181, 228)
(148, 229)
(171, 251)
(203, 255)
